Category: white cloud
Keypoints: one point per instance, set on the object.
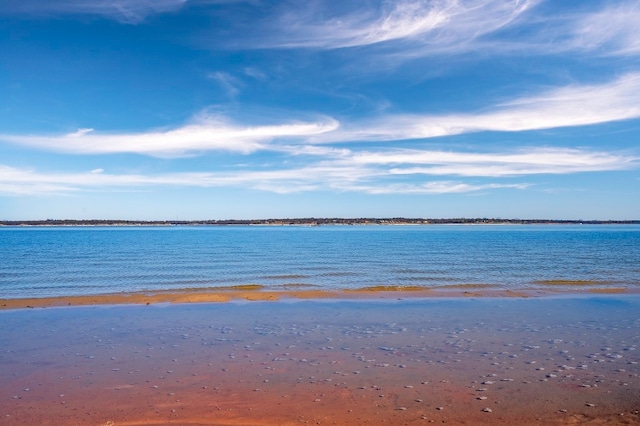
(15, 181)
(26, 181)
(437, 187)
(577, 105)
(614, 30)
(534, 161)
(208, 133)
(125, 11)
(431, 22)
(369, 172)
(404, 30)
(255, 73)
(228, 82)
(602, 29)
(81, 132)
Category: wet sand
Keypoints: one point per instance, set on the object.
(496, 361)
(254, 292)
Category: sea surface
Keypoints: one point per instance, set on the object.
(68, 261)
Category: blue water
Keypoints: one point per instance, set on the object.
(40, 262)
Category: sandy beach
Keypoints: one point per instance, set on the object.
(382, 360)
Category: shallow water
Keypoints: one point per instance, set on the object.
(459, 361)
(52, 262)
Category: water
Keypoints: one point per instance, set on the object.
(46, 262)
(535, 361)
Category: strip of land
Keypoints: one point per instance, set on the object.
(315, 222)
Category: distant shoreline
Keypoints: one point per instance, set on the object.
(313, 222)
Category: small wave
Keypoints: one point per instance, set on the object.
(285, 277)
(572, 282)
(243, 287)
(339, 274)
(391, 288)
(466, 286)
(426, 279)
(297, 285)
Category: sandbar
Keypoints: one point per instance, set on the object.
(253, 292)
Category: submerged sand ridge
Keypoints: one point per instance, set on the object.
(378, 362)
(255, 292)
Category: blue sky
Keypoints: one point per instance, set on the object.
(217, 109)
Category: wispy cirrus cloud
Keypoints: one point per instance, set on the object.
(342, 170)
(575, 105)
(434, 22)
(408, 30)
(521, 163)
(124, 11)
(593, 29)
(207, 133)
(27, 181)
(438, 187)
(229, 83)
(14, 181)
(610, 31)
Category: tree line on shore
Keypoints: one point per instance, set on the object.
(309, 222)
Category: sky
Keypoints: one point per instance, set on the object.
(255, 109)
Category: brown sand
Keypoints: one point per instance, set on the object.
(254, 292)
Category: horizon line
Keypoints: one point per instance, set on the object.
(315, 221)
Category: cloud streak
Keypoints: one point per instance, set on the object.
(433, 22)
(577, 105)
(208, 133)
(612, 31)
(438, 187)
(230, 84)
(533, 162)
(368, 172)
(407, 30)
(15, 181)
(124, 11)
